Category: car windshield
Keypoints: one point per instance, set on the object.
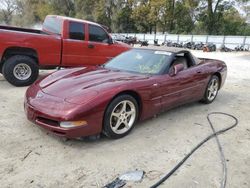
(140, 61)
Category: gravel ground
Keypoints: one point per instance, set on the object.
(30, 157)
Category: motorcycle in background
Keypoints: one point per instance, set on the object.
(241, 48)
(223, 48)
(210, 47)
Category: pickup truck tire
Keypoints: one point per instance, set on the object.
(20, 70)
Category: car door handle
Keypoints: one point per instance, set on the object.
(91, 46)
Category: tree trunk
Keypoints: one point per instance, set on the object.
(210, 26)
(172, 10)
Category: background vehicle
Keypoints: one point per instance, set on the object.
(223, 48)
(143, 43)
(241, 48)
(189, 45)
(209, 47)
(63, 42)
(130, 40)
(133, 86)
(117, 37)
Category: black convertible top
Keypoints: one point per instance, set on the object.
(173, 50)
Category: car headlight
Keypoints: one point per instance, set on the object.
(70, 124)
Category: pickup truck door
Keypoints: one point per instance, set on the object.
(99, 50)
(75, 44)
(87, 44)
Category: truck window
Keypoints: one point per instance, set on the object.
(97, 34)
(76, 31)
(53, 25)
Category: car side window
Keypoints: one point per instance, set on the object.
(76, 31)
(97, 34)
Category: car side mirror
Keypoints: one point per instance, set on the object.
(176, 69)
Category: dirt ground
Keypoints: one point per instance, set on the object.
(29, 157)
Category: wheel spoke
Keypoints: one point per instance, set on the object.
(124, 106)
(117, 115)
(216, 86)
(130, 113)
(126, 124)
(213, 82)
(117, 125)
(209, 95)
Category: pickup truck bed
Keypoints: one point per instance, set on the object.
(11, 28)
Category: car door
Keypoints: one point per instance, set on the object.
(191, 82)
(184, 87)
(170, 88)
(75, 45)
(99, 48)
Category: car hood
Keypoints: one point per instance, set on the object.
(86, 82)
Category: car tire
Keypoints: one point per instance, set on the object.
(20, 70)
(120, 117)
(1, 68)
(211, 90)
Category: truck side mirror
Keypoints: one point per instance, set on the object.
(110, 40)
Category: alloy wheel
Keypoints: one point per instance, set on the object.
(123, 117)
(212, 89)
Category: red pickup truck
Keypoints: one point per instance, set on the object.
(62, 42)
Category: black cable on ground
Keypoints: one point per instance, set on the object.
(215, 134)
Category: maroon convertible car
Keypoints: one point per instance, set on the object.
(133, 86)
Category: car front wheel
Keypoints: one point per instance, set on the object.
(120, 116)
(212, 90)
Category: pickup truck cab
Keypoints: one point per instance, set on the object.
(62, 42)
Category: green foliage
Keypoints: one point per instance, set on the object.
(233, 23)
(183, 23)
(141, 15)
(172, 16)
(123, 21)
(84, 9)
(63, 7)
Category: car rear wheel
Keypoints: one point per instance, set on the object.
(212, 90)
(20, 70)
(120, 116)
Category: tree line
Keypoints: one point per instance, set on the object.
(217, 17)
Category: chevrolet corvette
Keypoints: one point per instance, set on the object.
(111, 98)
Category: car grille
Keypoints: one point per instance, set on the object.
(48, 121)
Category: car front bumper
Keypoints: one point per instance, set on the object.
(47, 112)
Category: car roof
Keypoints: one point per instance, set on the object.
(164, 48)
(74, 19)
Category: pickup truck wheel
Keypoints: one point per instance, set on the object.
(20, 70)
